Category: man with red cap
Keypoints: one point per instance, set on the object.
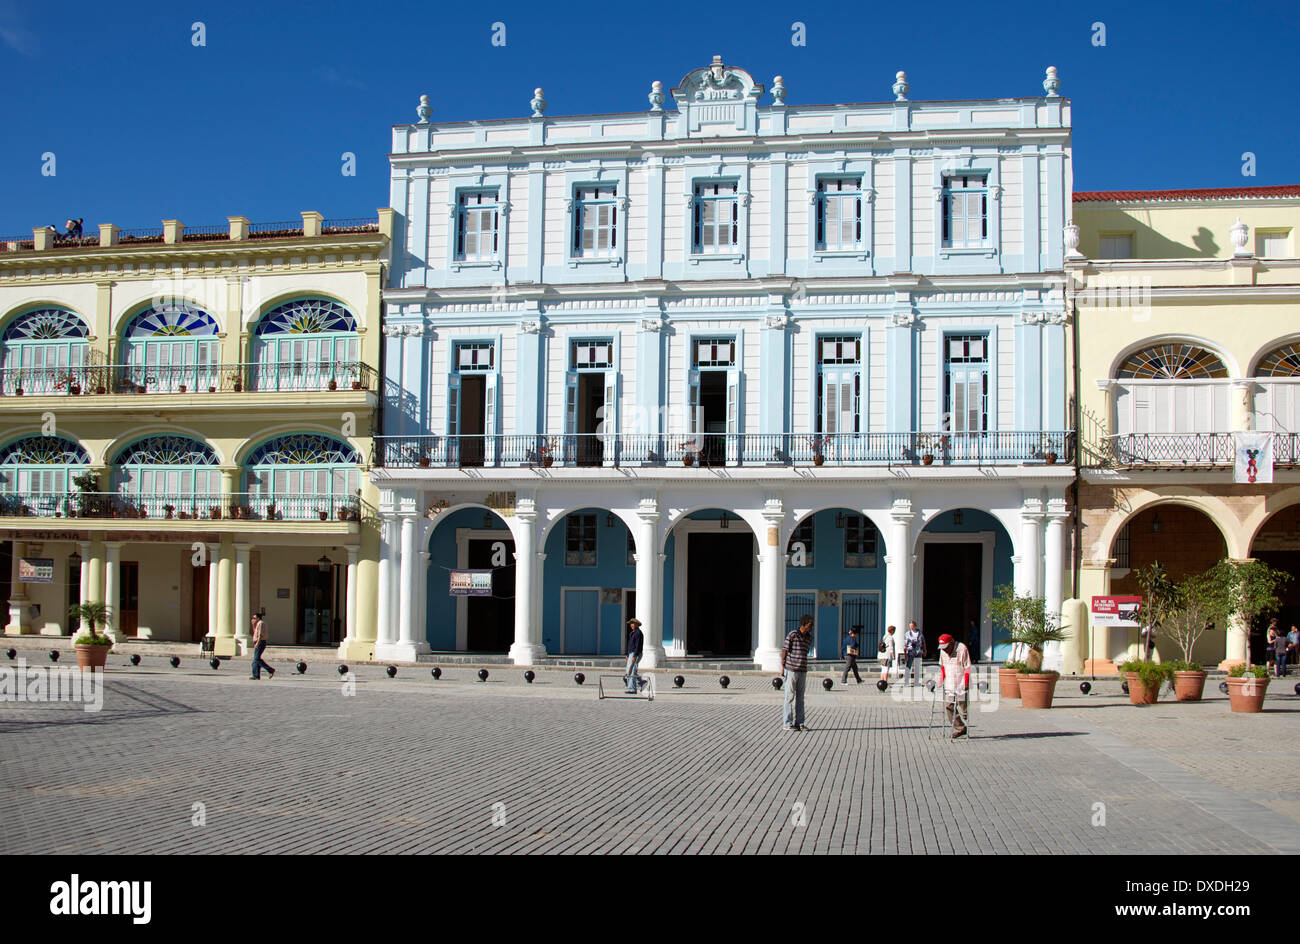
(954, 676)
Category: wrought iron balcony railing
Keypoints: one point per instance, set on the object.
(99, 379)
(1002, 447)
(239, 506)
(1189, 449)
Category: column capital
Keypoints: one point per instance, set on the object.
(1097, 563)
(901, 511)
(353, 554)
(243, 547)
(526, 510)
(1057, 509)
(114, 545)
(406, 508)
(773, 511)
(1032, 509)
(647, 509)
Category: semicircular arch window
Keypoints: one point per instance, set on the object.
(1172, 360)
(1280, 362)
(305, 344)
(170, 346)
(37, 473)
(304, 476)
(179, 471)
(40, 348)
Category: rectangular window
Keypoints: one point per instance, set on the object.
(1122, 548)
(839, 213)
(965, 211)
(1272, 245)
(474, 357)
(590, 354)
(1115, 246)
(966, 382)
(715, 352)
(803, 534)
(580, 541)
(716, 218)
(839, 387)
(595, 221)
(477, 219)
(859, 542)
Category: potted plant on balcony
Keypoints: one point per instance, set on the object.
(236, 380)
(333, 384)
(1246, 687)
(423, 461)
(92, 648)
(270, 511)
(925, 444)
(214, 512)
(818, 444)
(1026, 621)
(690, 451)
(1048, 450)
(354, 372)
(169, 510)
(324, 515)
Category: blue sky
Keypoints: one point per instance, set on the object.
(144, 125)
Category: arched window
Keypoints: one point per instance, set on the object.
(304, 475)
(37, 472)
(304, 344)
(170, 346)
(1277, 394)
(1173, 360)
(158, 471)
(40, 347)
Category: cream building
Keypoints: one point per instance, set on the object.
(1187, 309)
(186, 427)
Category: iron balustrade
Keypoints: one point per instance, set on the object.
(362, 224)
(98, 379)
(191, 506)
(1190, 449)
(579, 450)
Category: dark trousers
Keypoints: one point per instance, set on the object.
(851, 666)
(258, 664)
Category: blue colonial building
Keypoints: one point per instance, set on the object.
(720, 362)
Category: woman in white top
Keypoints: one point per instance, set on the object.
(889, 655)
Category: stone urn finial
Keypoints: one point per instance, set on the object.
(901, 87)
(778, 91)
(425, 109)
(1070, 233)
(656, 96)
(1240, 234)
(538, 103)
(1052, 83)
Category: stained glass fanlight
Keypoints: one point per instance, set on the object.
(171, 321)
(167, 469)
(307, 316)
(1280, 362)
(304, 344)
(304, 449)
(170, 346)
(304, 474)
(39, 348)
(1172, 360)
(45, 324)
(37, 472)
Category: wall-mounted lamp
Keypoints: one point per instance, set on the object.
(324, 564)
(958, 517)
(726, 522)
(1155, 523)
(609, 520)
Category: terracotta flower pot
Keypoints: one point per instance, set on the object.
(819, 459)
(1008, 683)
(1051, 458)
(1188, 685)
(927, 459)
(688, 459)
(92, 657)
(333, 385)
(1247, 694)
(1139, 694)
(356, 385)
(424, 462)
(1037, 689)
(547, 461)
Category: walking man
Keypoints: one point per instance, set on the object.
(259, 646)
(635, 643)
(851, 652)
(794, 666)
(913, 653)
(954, 676)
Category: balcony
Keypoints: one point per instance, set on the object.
(992, 448)
(1179, 450)
(101, 379)
(241, 506)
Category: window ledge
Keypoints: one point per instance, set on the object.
(458, 264)
(697, 257)
(575, 261)
(946, 251)
(826, 255)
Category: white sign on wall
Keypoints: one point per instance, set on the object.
(1254, 458)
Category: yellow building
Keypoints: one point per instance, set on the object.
(1187, 332)
(186, 429)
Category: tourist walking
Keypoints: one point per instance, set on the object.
(794, 666)
(954, 676)
(851, 657)
(913, 654)
(635, 643)
(1280, 646)
(259, 646)
(891, 649)
(885, 662)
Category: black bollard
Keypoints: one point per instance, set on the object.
(482, 675)
(54, 655)
(12, 654)
(529, 676)
(882, 684)
(391, 670)
(1085, 687)
(343, 670)
(579, 677)
(135, 658)
(215, 663)
(301, 667)
(827, 684)
(778, 682)
(176, 663)
(1124, 685)
(678, 681)
(1223, 687)
(436, 672)
(724, 681)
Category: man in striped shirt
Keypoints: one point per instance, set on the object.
(954, 675)
(794, 665)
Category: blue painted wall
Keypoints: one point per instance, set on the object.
(829, 573)
(440, 609)
(975, 520)
(611, 570)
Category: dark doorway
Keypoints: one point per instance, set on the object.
(713, 417)
(473, 413)
(1288, 611)
(128, 606)
(591, 403)
(316, 610)
(490, 621)
(6, 574)
(952, 592)
(719, 594)
(199, 611)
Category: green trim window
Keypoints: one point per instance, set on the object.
(41, 349)
(157, 471)
(37, 473)
(304, 344)
(302, 476)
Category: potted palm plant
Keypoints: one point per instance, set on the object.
(92, 648)
(1026, 621)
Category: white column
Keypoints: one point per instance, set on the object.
(243, 614)
(406, 582)
(1054, 574)
(112, 582)
(350, 633)
(214, 552)
(84, 548)
(524, 651)
(771, 588)
(898, 568)
(384, 602)
(1029, 558)
(18, 602)
(649, 575)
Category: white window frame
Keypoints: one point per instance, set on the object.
(574, 180)
(941, 373)
(967, 165)
(1132, 245)
(717, 171)
(500, 183)
(1262, 236)
(613, 388)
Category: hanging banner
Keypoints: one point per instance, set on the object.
(1254, 453)
(36, 570)
(1116, 611)
(471, 583)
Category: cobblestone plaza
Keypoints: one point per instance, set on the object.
(411, 764)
